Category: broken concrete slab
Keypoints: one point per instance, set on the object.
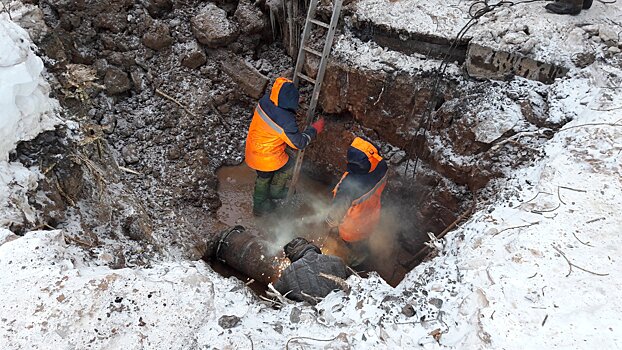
(410, 43)
(487, 63)
(249, 79)
(407, 27)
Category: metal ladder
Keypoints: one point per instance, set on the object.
(317, 82)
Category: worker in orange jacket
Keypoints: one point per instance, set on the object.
(355, 210)
(272, 129)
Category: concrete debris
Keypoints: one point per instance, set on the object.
(249, 79)
(609, 35)
(591, 29)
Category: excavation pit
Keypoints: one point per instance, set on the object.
(396, 246)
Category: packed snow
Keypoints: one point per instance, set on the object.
(536, 268)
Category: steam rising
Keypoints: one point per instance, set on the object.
(304, 217)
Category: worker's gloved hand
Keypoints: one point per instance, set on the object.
(319, 125)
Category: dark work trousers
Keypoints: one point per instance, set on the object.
(271, 185)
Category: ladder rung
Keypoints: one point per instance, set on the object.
(307, 78)
(310, 50)
(320, 23)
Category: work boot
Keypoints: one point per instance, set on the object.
(278, 186)
(261, 197)
(566, 7)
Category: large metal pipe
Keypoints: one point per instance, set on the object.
(250, 254)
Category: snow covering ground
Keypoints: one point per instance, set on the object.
(524, 27)
(372, 56)
(539, 268)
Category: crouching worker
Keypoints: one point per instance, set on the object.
(355, 210)
(311, 273)
(272, 129)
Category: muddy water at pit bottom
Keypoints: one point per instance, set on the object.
(303, 217)
(235, 189)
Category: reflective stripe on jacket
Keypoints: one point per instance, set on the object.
(274, 127)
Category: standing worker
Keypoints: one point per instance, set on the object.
(272, 129)
(355, 210)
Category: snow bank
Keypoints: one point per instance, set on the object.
(26, 108)
(518, 289)
(26, 111)
(50, 300)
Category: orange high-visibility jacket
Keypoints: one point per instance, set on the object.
(274, 127)
(357, 197)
